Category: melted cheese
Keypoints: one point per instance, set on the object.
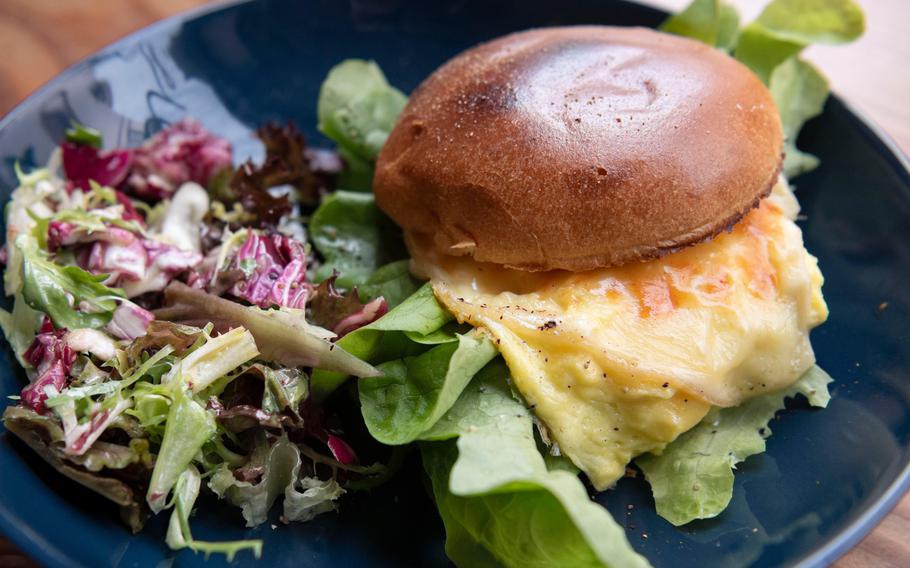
(617, 362)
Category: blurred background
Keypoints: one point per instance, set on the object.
(40, 38)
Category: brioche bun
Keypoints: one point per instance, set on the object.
(580, 147)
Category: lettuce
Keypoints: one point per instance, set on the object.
(354, 237)
(357, 108)
(414, 393)
(500, 503)
(770, 46)
(394, 282)
(186, 491)
(388, 338)
(785, 27)
(799, 91)
(188, 427)
(20, 326)
(282, 336)
(693, 477)
(710, 21)
(281, 477)
(72, 297)
(81, 134)
(216, 358)
(44, 435)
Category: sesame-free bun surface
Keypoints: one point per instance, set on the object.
(580, 147)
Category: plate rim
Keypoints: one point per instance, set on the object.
(30, 542)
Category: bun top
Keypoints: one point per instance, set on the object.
(580, 147)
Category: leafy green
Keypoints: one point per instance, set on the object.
(81, 134)
(394, 282)
(178, 530)
(60, 290)
(693, 477)
(785, 27)
(189, 426)
(104, 455)
(281, 470)
(357, 109)
(282, 335)
(357, 174)
(413, 393)
(317, 497)
(482, 403)
(710, 21)
(216, 358)
(284, 389)
(385, 339)
(770, 47)
(20, 326)
(799, 91)
(500, 503)
(354, 237)
(44, 435)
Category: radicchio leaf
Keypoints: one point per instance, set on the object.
(53, 359)
(129, 321)
(182, 152)
(83, 164)
(274, 269)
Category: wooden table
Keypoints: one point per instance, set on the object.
(39, 38)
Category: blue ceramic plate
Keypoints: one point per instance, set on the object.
(826, 478)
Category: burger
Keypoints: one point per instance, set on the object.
(606, 204)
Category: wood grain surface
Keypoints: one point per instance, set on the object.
(40, 38)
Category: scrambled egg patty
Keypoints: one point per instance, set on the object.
(620, 361)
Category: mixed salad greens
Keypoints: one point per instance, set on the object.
(186, 324)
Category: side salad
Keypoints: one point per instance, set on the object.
(185, 325)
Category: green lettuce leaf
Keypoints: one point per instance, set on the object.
(282, 335)
(500, 503)
(354, 237)
(482, 403)
(770, 47)
(387, 338)
(189, 426)
(800, 91)
(693, 477)
(785, 27)
(281, 470)
(84, 135)
(186, 491)
(213, 360)
(415, 392)
(394, 282)
(20, 326)
(357, 108)
(309, 497)
(710, 21)
(59, 290)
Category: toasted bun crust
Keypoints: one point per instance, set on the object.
(580, 147)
